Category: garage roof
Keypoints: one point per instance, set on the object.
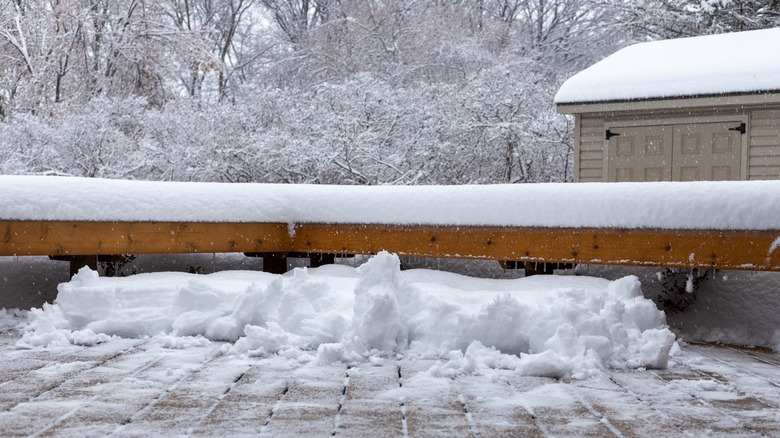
(734, 63)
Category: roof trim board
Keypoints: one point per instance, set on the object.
(735, 100)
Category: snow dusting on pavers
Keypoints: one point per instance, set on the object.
(139, 388)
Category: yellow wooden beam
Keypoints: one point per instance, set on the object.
(710, 249)
(746, 250)
(92, 238)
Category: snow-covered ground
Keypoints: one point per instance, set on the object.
(376, 350)
(441, 327)
(153, 387)
(372, 350)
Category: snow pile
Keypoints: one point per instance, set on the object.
(733, 308)
(729, 307)
(548, 326)
(10, 318)
(738, 205)
(705, 65)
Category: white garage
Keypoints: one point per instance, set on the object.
(703, 108)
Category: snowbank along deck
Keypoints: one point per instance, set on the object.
(81, 242)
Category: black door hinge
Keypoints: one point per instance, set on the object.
(609, 134)
(741, 128)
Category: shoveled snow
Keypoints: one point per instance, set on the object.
(738, 62)
(747, 205)
(546, 326)
(12, 318)
(730, 307)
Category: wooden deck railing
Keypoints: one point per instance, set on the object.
(81, 242)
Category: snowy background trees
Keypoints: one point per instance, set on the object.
(314, 91)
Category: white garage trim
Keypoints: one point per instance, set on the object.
(762, 98)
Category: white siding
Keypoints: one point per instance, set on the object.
(591, 157)
(764, 149)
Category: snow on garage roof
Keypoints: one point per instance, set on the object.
(741, 62)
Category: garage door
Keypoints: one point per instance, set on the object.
(641, 153)
(686, 152)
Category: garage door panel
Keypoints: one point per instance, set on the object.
(706, 152)
(691, 144)
(722, 173)
(624, 174)
(640, 154)
(625, 147)
(690, 173)
(723, 143)
(655, 145)
(654, 174)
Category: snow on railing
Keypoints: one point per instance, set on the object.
(718, 225)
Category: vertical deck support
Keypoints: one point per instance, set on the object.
(78, 261)
(318, 259)
(275, 262)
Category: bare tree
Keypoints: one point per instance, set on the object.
(227, 28)
(659, 19)
(296, 17)
(336, 91)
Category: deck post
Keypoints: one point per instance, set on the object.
(275, 262)
(78, 262)
(539, 268)
(319, 259)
